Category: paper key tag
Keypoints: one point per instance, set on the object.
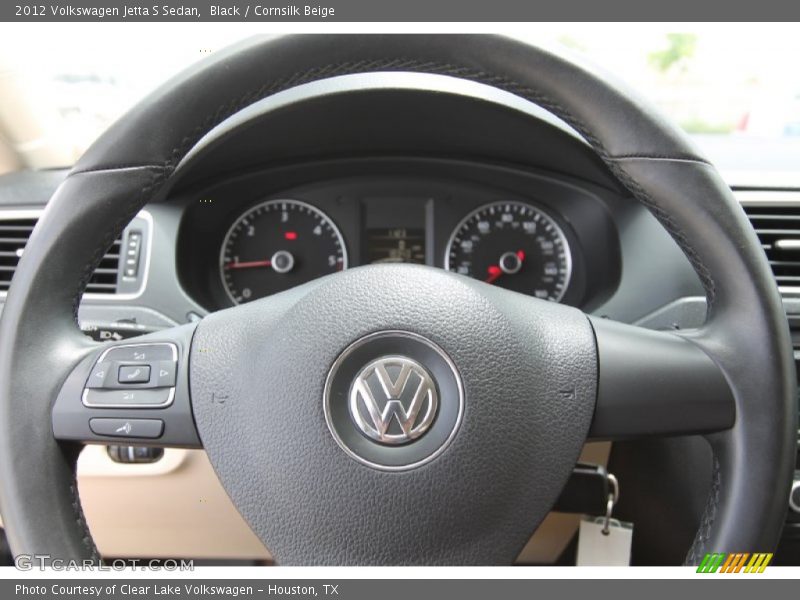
(598, 549)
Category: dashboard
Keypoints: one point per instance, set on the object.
(240, 241)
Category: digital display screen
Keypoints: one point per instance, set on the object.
(396, 245)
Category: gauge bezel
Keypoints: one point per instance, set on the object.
(536, 208)
(260, 205)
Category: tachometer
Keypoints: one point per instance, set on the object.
(277, 245)
(513, 245)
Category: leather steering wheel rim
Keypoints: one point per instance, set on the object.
(746, 333)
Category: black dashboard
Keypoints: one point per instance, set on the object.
(412, 168)
(258, 233)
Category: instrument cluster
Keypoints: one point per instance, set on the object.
(246, 244)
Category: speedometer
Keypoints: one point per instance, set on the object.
(512, 245)
(277, 245)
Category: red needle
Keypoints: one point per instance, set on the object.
(249, 265)
(494, 272)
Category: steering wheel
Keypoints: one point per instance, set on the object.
(395, 414)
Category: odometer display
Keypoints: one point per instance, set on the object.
(277, 245)
(512, 245)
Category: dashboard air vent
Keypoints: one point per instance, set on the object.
(778, 228)
(104, 278)
(14, 234)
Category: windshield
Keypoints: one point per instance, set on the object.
(728, 86)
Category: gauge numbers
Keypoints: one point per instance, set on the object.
(277, 245)
(512, 245)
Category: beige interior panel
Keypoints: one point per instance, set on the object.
(176, 508)
(557, 529)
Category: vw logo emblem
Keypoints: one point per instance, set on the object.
(393, 400)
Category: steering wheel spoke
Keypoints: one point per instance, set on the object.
(654, 383)
(133, 392)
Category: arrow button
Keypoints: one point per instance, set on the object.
(165, 375)
(99, 375)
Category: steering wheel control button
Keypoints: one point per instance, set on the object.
(127, 428)
(141, 353)
(132, 398)
(165, 373)
(134, 374)
(393, 400)
(99, 375)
